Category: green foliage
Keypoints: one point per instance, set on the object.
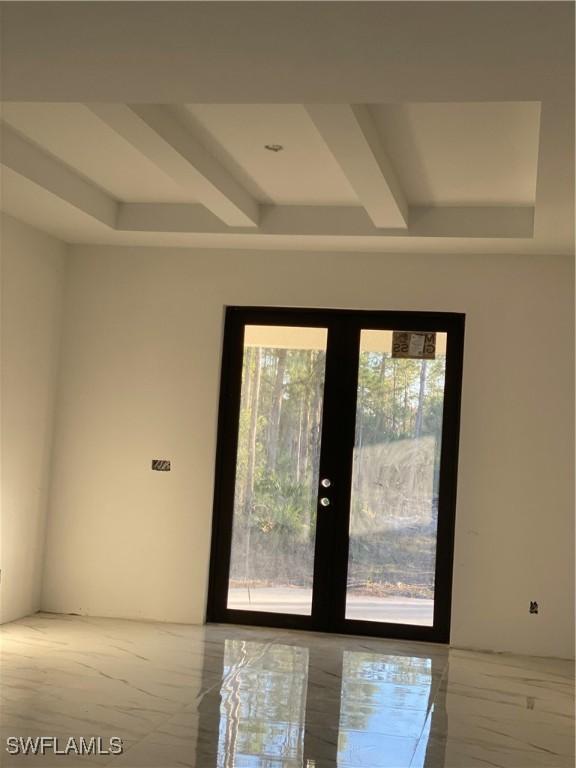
(279, 506)
(399, 403)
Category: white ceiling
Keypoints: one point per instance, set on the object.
(444, 154)
(304, 173)
(471, 153)
(73, 134)
(464, 144)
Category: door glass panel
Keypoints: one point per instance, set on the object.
(394, 502)
(274, 525)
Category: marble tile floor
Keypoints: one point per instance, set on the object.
(236, 697)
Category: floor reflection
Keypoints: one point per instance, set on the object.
(263, 709)
(239, 697)
(289, 705)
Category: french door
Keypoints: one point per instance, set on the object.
(336, 471)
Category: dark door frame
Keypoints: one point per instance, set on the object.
(338, 428)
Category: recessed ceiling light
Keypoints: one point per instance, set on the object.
(274, 147)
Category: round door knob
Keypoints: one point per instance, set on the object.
(325, 482)
(324, 501)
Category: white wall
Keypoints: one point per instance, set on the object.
(140, 379)
(33, 267)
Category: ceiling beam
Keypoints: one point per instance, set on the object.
(345, 221)
(41, 168)
(159, 135)
(34, 163)
(351, 135)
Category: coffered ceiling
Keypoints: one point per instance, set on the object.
(472, 157)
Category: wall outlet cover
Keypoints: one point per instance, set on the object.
(161, 465)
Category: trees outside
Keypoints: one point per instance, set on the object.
(277, 466)
(394, 499)
(395, 476)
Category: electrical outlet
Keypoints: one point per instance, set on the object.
(533, 606)
(161, 465)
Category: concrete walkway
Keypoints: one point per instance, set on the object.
(398, 610)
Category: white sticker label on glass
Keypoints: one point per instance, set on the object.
(419, 345)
